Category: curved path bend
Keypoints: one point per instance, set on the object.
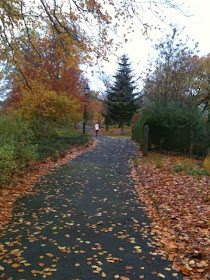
(85, 223)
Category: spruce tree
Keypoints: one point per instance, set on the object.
(121, 103)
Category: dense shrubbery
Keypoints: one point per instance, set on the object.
(174, 127)
(21, 142)
(16, 148)
(47, 111)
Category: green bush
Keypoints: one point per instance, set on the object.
(7, 163)
(43, 129)
(173, 127)
(16, 149)
(22, 141)
(138, 128)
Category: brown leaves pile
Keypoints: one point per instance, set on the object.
(178, 206)
(9, 194)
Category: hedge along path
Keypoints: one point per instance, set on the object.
(86, 222)
(9, 194)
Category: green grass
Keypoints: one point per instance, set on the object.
(115, 132)
(190, 169)
(57, 146)
(196, 171)
(180, 167)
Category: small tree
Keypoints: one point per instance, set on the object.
(46, 110)
(121, 102)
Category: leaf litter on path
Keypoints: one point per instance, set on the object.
(9, 194)
(86, 222)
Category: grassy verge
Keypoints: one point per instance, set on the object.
(24, 181)
(176, 164)
(116, 132)
(17, 157)
(56, 147)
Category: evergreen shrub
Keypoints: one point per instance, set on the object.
(173, 127)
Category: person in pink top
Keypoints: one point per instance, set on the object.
(96, 128)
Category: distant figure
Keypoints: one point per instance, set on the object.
(96, 128)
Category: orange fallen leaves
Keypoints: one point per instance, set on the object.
(185, 270)
(128, 267)
(178, 205)
(15, 265)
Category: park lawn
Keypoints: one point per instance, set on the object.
(115, 131)
(176, 199)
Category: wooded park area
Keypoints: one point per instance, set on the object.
(43, 45)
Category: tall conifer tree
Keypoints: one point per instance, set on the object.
(121, 103)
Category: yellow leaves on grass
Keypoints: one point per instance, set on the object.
(206, 163)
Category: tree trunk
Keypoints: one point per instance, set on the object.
(122, 128)
(191, 142)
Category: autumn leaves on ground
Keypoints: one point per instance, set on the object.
(176, 203)
(25, 181)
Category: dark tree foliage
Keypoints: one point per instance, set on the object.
(121, 102)
(174, 126)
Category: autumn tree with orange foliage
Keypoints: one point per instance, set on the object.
(203, 81)
(49, 69)
(94, 108)
(87, 28)
(51, 66)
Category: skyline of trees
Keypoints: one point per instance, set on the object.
(121, 98)
(178, 74)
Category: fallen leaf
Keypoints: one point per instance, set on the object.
(15, 265)
(161, 275)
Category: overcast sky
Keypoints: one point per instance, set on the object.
(139, 48)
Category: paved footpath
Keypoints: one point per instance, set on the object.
(86, 223)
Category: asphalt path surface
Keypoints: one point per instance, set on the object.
(86, 222)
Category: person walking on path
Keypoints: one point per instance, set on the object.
(96, 128)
